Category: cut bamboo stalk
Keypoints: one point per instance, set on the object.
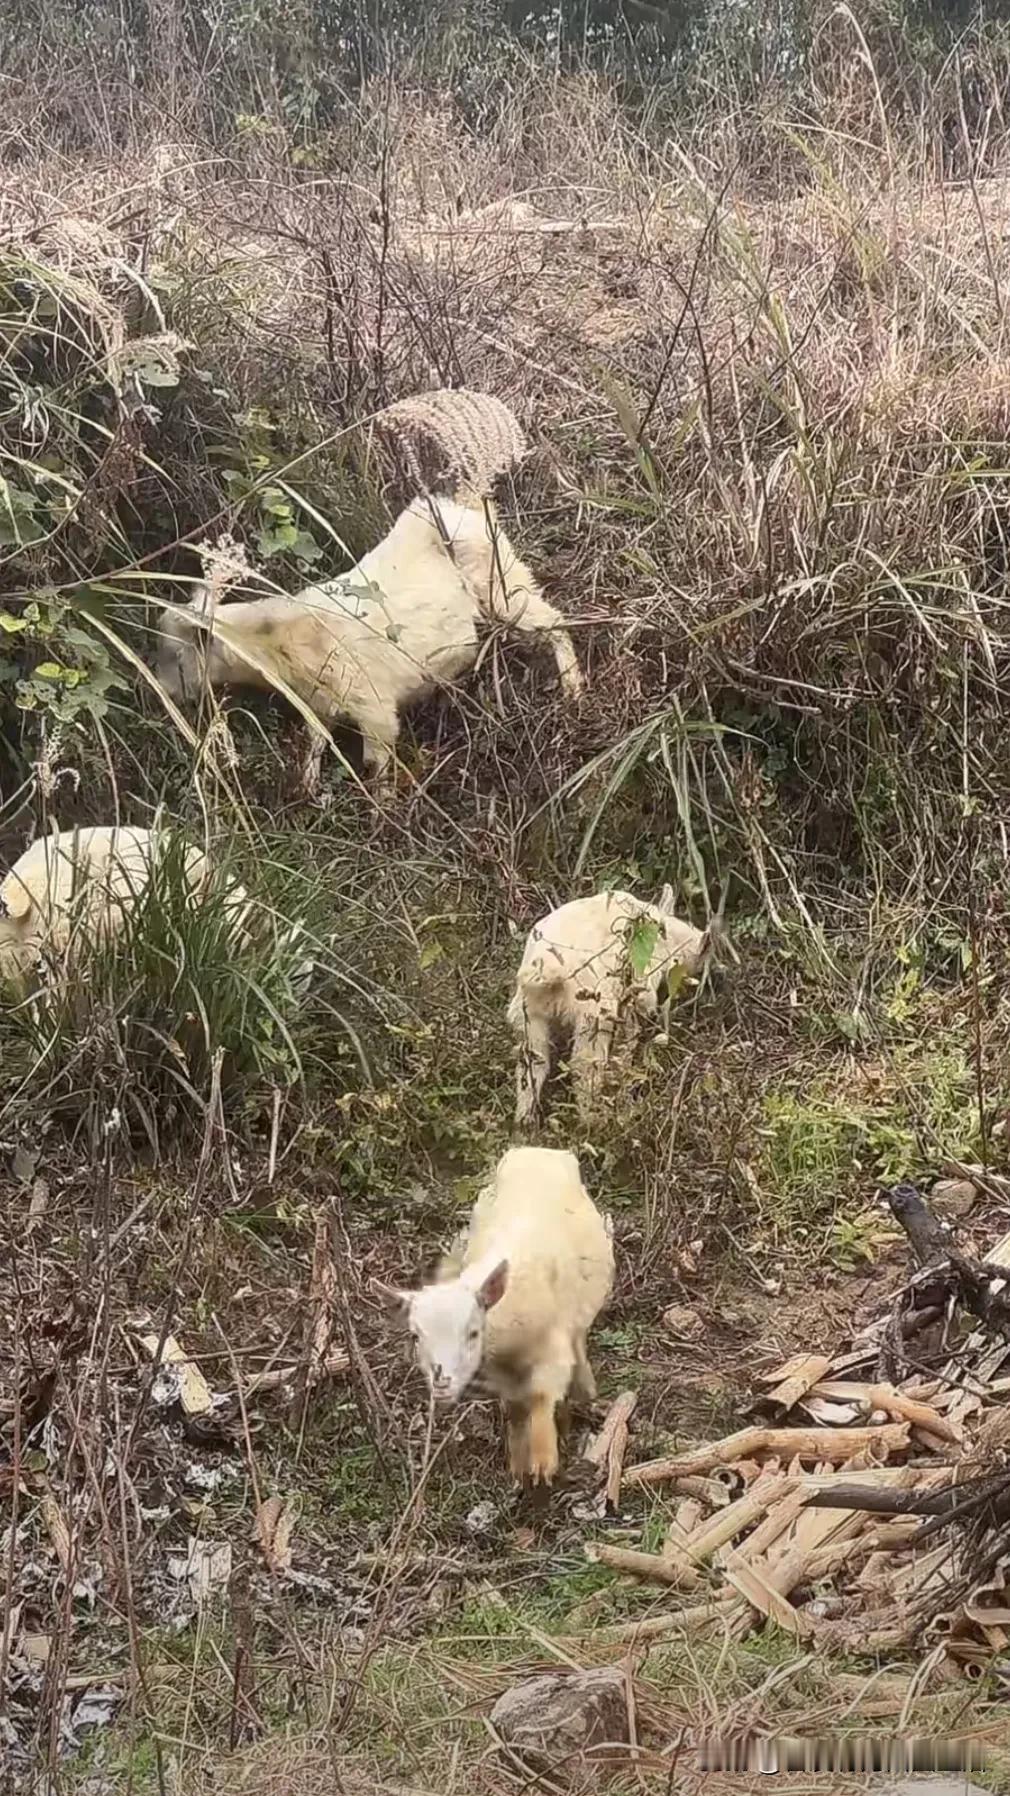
(903, 1405)
(772, 1584)
(809, 1443)
(738, 1516)
(890, 1537)
(875, 1574)
(925, 1390)
(802, 1372)
(642, 1565)
(688, 1515)
(892, 1684)
(859, 1552)
(674, 1550)
(815, 1527)
(907, 1409)
(780, 1517)
(723, 1607)
(882, 1477)
(749, 1470)
(924, 1573)
(615, 1455)
(619, 1412)
(279, 1375)
(753, 1583)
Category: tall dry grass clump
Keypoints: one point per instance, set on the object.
(760, 361)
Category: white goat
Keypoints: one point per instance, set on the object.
(368, 643)
(590, 965)
(517, 1299)
(76, 885)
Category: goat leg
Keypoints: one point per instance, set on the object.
(543, 1440)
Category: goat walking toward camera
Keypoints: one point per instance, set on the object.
(591, 965)
(516, 1300)
(369, 643)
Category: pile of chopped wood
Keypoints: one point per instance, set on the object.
(868, 1508)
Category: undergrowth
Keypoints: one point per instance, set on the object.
(750, 307)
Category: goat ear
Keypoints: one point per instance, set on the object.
(492, 1290)
(666, 901)
(393, 1297)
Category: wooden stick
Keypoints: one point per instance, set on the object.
(808, 1443)
(780, 1517)
(807, 1371)
(642, 1565)
(908, 1409)
(767, 1586)
(278, 1375)
(620, 1411)
(753, 1582)
(738, 1516)
(615, 1454)
(723, 1607)
(905, 1405)
(687, 1516)
(886, 1502)
(674, 1548)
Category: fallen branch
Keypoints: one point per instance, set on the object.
(618, 1415)
(800, 1443)
(281, 1375)
(642, 1565)
(737, 1517)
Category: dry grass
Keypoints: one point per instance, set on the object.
(763, 367)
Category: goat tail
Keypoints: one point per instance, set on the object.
(537, 991)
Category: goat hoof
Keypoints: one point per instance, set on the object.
(543, 1471)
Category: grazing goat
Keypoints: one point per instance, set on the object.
(370, 642)
(517, 1299)
(587, 967)
(77, 884)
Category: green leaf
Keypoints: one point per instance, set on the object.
(275, 540)
(305, 547)
(273, 502)
(642, 939)
(11, 625)
(431, 952)
(51, 670)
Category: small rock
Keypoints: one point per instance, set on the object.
(682, 1321)
(953, 1197)
(481, 1518)
(547, 1722)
